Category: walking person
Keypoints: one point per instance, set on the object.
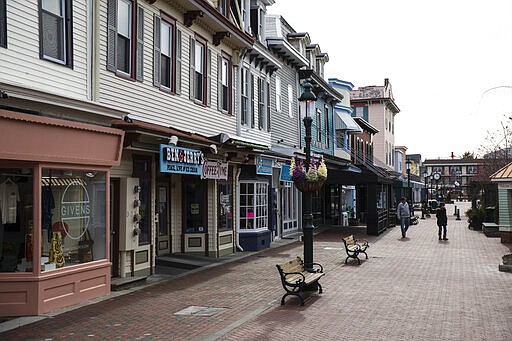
(442, 220)
(403, 213)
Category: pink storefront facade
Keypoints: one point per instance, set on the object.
(54, 212)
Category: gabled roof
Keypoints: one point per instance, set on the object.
(504, 173)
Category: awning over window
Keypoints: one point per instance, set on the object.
(346, 122)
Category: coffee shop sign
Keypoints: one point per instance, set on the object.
(215, 170)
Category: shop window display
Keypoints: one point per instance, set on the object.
(225, 197)
(73, 217)
(253, 206)
(16, 219)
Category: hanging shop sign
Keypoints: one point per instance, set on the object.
(285, 173)
(181, 160)
(216, 170)
(263, 166)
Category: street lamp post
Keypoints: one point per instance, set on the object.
(424, 206)
(307, 105)
(409, 191)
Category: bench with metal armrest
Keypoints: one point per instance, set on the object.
(354, 247)
(296, 279)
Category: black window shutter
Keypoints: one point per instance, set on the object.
(252, 100)
(111, 35)
(208, 90)
(219, 83)
(3, 23)
(191, 68)
(178, 62)
(254, 22)
(139, 67)
(268, 105)
(156, 51)
(69, 33)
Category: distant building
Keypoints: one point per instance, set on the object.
(377, 106)
(455, 176)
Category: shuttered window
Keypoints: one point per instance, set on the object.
(166, 39)
(200, 71)
(245, 97)
(55, 31)
(3, 23)
(125, 39)
(224, 83)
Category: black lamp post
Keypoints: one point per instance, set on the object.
(424, 206)
(409, 191)
(307, 105)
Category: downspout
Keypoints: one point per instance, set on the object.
(237, 237)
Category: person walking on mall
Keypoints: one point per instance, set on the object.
(442, 220)
(403, 213)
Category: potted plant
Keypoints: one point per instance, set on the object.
(476, 216)
(311, 180)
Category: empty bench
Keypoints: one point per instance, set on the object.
(354, 247)
(296, 279)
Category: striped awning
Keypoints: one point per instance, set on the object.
(47, 181)
(346, 122)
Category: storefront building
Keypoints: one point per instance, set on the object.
(54, 226)
(175, 195)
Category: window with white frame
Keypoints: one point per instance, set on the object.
(290, 100)
(55, 34)
(245, 97)
(124, 36)
(278, 94)
(471, 169)
(125, 39)
(253, 205)
(166, 54)
(225, 83)
(318, 125)
(200, 71)
(261, 104)
(223, 7)
(3, 23)
(199, 68)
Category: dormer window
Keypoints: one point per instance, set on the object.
(223, 7)
(257, 23)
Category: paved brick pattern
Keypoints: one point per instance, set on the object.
(416, 288)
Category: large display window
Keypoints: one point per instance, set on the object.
(253, 206)
(73, 217)
(16, 219)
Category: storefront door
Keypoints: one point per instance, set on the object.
(163, 225)
(114, 226)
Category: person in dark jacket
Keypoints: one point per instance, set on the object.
(442, 220)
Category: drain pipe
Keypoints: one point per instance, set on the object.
(237, 237)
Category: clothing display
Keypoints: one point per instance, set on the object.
(9, 197)
(47, 205)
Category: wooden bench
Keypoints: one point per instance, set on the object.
(354, 247)
(296, 279)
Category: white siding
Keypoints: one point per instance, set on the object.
(148, 103)
(20, 64)
(282, 125)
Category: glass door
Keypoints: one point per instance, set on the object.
(162, 207)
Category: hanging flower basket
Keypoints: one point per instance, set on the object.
(312, 179)
(309, 186)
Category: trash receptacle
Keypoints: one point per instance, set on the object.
(344, 219)
(489, 214)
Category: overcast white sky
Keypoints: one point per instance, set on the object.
(441, 57)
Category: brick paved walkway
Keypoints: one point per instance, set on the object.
(417, 288)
